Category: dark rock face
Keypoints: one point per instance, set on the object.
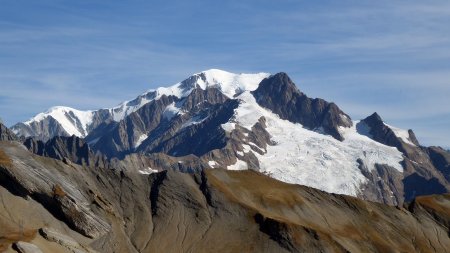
(425, 169)
(35, 146)
(6, 134)
(124, 211)
(195, 130)
(102, 129)
(382, 133)
(418, 185)
(197, 139)
(385, 185)
(67, 149)
(120, 137)
(280, 95)
(441, 160)
(61, 148)
(202, 98)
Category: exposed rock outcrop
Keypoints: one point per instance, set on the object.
(441, 160)
(62, 148)
(170, 125)
(6, 134)
(280, 95)
(25, 247)
(122, 137)
(426, 170)
(64, 240)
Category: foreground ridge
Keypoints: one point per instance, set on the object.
(124, 211)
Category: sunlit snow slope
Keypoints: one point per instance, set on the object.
(310, 158)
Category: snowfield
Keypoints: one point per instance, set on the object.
(306, 157)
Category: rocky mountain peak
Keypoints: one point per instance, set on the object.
(375, 118)
(279, 94)
(279, 85)
(388, 135)
(379, 131)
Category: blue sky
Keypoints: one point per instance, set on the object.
(392, 57)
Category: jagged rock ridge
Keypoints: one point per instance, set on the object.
(279, 94)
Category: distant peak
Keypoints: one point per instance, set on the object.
(221, 74)
(278, 83)
(380, 130)
(59, 108)
(283, 77)
(374, 117)
(228, 83)
(215, 71)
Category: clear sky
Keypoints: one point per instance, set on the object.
(392, 57)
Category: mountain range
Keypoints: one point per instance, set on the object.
(262, 122)
(221, 162)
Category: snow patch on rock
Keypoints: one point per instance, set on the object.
(239, 165)
(147, 171)
(171, 111)
(140, 140)
(212, 164)
(401, 133)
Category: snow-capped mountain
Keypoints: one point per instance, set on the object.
(66, 121)
(217, 119)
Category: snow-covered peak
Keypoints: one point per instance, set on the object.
(229, 83)
(74, 122)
